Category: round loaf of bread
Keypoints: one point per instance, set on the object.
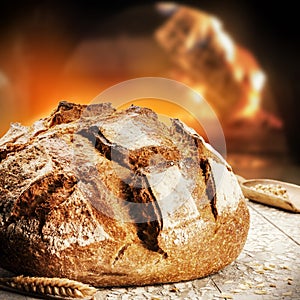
(116, 197)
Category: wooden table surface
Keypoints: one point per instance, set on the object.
(267, 268)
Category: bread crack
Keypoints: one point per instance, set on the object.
(120, 253)
(210, 185)
(65, 113)
(10, 148)
(147, 216)
(44, 194)
(105, 147)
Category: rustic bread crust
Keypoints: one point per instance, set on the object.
(115, 198)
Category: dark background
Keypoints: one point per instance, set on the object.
(269, 31)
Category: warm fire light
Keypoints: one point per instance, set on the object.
(190, 46)
(208, 60)
(252, 107)
(248, 73)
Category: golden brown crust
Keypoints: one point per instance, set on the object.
(112, 197)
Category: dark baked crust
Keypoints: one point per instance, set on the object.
(112, 197)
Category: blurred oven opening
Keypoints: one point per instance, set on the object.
(53, 51)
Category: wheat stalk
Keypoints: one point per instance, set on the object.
(61, 287)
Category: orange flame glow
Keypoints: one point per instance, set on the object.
(200, 53)
(225, 73)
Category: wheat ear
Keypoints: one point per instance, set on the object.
(61, 287)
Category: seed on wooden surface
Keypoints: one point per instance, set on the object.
(267, 267)
(285, 267)
(287, 294)
(224, 295)
(258, 279)
(249, 282)
(236, 291)
(180, 285)
(260, 292)
(244, 286)
(228, 281)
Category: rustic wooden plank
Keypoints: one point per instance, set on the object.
(287, 222)
(267, 268)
